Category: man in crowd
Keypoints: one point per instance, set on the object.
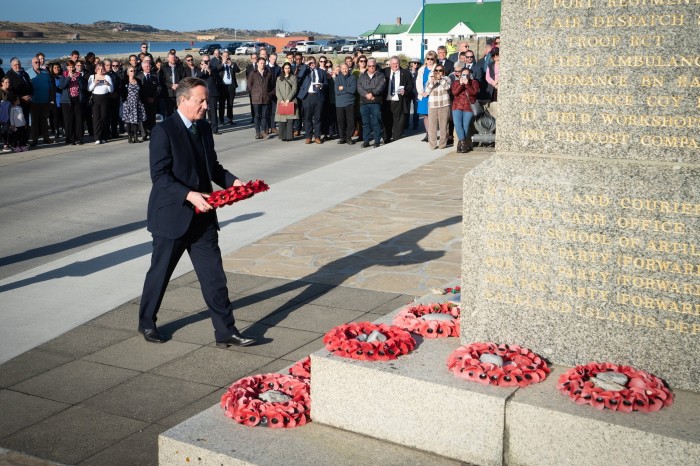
(444, 61)
(229, 84)
(462, 46)
(183, 166)
(275, 70)
(370, 86)
(298, 70)
(173, 75)
(191, 70)
(114, 99)
(312, 82)
(152, 85)
(20, 86)
(210, 75)
(397, 106)
(44, 93)
(252, 66)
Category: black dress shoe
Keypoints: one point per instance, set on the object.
(152, 335)
(365, 144)
(351, 141)
(341, 141)
(425, 139)
(376, 145)
(217, 132)
(236, 339)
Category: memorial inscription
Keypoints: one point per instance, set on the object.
(613, 78)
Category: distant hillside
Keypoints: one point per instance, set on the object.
(115, 31)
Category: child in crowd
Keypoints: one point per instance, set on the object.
(5, 113)
(19, 139)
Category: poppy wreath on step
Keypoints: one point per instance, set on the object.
(502, 365)
(242, 401)
(368, 342)
(234, 194)
(637, 391)
(413, 319)
(302, 369)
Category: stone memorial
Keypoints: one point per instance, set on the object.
(582, 234)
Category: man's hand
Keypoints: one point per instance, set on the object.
(199, 200)
(238, 183)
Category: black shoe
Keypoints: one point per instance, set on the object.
(217, 132)
(80, 143)
(152, 335)
(425, 139)
(351, 141)
(365, 144)
(376, 145)
(236, 339)
(387, 140)
(341, 141)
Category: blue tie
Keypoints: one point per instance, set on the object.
(393, 85)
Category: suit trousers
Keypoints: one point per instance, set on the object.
(100, 116)
(201, 241)
(346, 121)
(40, 121)
(114, 120)
(73, 120)
(211, 112)
(394, 119)
(226, 100)
(312, 115)
(438, 117)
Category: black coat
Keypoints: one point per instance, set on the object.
(233, 69)
(20, 83)
(152, 86)
(409, 86)
(168, 77)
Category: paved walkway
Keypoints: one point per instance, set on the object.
(99, 394)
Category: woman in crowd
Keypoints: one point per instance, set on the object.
(101, 86)
(286, 91)
(360, 67)
(55, 113)
(73, 92)
(329, 124)
(437, 91)
(424, 75)
(86, 111)
(261, 88)
(493, 74)
(464, 91)
(5, 105)
(134, 112)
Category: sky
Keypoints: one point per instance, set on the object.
(322, 16)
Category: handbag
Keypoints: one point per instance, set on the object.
(477, 108)
(285, 109)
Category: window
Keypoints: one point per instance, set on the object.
(425, 44)
(399, 45)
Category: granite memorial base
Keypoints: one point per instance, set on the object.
(586, 260)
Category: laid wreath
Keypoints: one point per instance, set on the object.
(234, 194)
(268, 400)
(619, 388)
(368, 342)
(502, 365)
(302, 369)
(425, 320)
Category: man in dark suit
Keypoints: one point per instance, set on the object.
(229, 84)
(211, 76)
(183, 165)
(152, 84)
(444, 61)
(310, 93)
(397, 105)
(174, 73)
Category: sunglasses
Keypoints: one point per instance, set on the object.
(429, 59)
(439, 71)
(189, 59)
(322, 61)
(470, 56)
(362, 61)
(205, 62)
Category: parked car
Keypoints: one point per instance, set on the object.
(308, 46)
(334, 45)
(248, 48)
(349, 46)
(232, 46)
(291, 46)
(208, 49)
(374, 45)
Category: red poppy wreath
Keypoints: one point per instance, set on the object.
(619, 388)
(434, 320)
(368, 342)
(235, 193)
(502, 365)
(302, 369)
(268, 400)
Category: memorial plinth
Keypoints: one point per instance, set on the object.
(582, 235)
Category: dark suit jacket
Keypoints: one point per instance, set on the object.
(174, 175)
(151, 86)
(20, 83)
(449, 66)
(234, 70)
(168, 75)
(405, 80)
(189, 72)
(305, 80)
(211, 77)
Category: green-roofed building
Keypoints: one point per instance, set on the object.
(463, 20)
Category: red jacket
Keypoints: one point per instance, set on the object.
(464, 95)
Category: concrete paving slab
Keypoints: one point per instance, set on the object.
(15, 458)
(293, 291)
(343, 297)
(254, 308)
(212, 366)
(196, 329)
(182, 299)
(275, 342)
(28, 365)
(20, 410)
(126, 317)
(306, 350)
(394, 304)
(139, 355)
(73, 435)
(148, 397)
(240, 282)
(311, 317)
(136, 449)
(84, 340)
(74, 381)
(192, 409)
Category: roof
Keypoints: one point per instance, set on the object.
(367, 33)
(441, 18)
(391, 28)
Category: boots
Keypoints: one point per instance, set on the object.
(460, 147)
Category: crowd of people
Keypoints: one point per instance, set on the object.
(354, 100)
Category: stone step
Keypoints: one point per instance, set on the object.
(210, 438)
